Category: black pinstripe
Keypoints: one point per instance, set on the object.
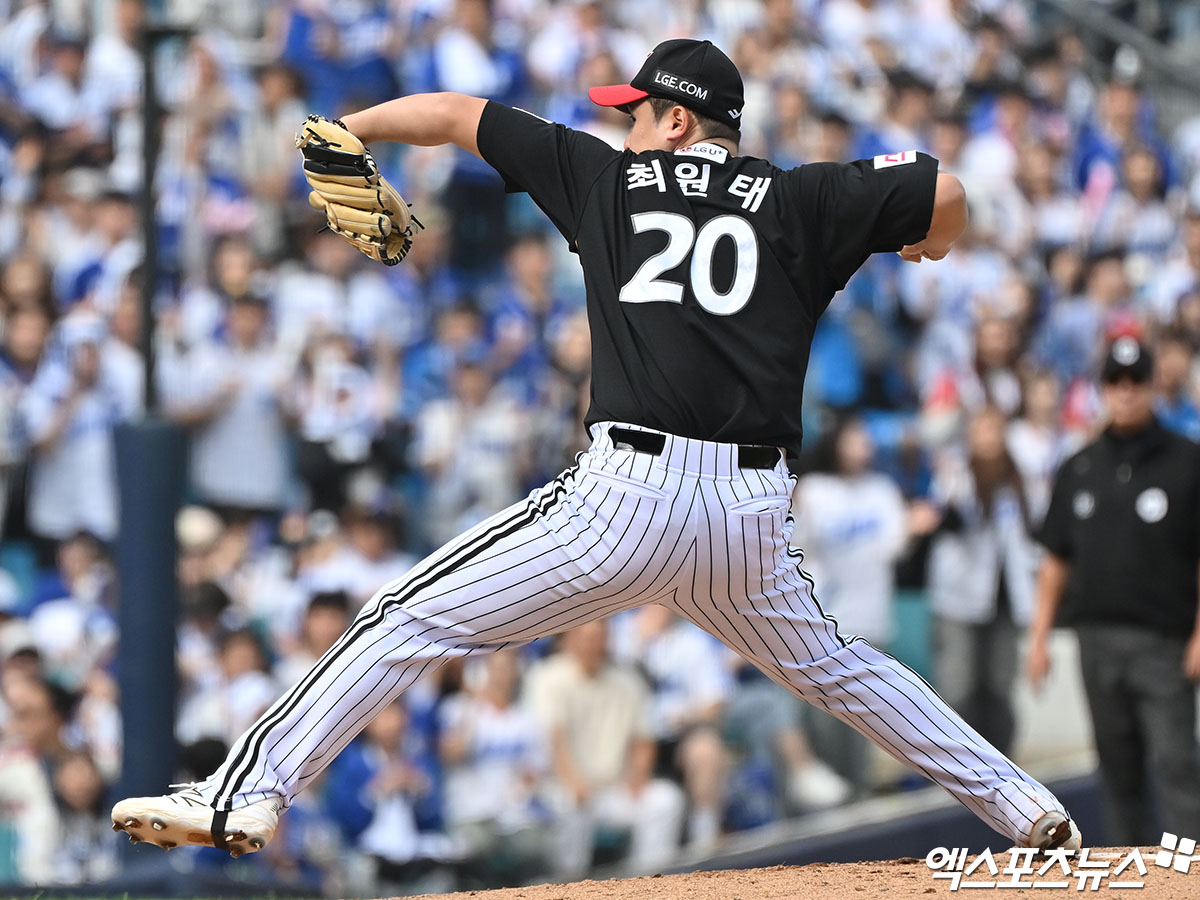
(349, 731)
(390, 649)
(250, 744)
(976, 791)
(687, 528)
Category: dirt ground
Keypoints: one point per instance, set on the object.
(897, 879)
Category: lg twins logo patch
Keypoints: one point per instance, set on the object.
(895, 159)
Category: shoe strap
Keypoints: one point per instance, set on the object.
(218, 828)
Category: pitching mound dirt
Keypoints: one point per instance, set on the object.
(897, 879)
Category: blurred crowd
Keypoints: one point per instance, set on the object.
(344, 418)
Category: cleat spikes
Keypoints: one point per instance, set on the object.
(184, 819)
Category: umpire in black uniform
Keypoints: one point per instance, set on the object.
(1123, 569)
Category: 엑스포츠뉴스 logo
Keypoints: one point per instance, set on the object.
(1088, 869)
(1177, 853)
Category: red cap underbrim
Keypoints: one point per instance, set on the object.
(616, 95)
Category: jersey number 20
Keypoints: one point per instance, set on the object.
(682, 238)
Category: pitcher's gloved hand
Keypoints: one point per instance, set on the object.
(358, 202)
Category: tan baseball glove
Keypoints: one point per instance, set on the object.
(358, 202)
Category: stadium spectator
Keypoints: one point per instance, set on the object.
(266, 136)
(1136, 217)
(1039, 441)
(1177, 381)
(25, 787)
(1180, 276)
(69, 411)
(991, 158)
(474, 449)
(981, 577)
(229, 393)
(764, 724)
(472, 56)
(374, 536)
(1055, 217)
(86, 850)
(688, 689)
(371, 792)
(325, 619)
(598, 716)
(231, 697)
(60, 97)
(1119, 123)
(203, 606)
(26, 332)
(1072, 335)
(524, 317)
(39, 713)
(340, 407)
(74, 625)
(852, 524)
(907, 117)
(496, 758)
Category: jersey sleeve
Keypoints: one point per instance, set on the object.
(867, 206)
(555, 165)
(1055, 531)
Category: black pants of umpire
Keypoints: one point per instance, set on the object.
(1144, 717)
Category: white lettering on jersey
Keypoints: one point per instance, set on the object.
(693, 179)
(682, 237)
(751, 190)
(640, 175)
(712, 151)
(895, 159)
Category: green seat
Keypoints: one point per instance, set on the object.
(911, 641)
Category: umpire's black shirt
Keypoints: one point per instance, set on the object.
(1125, 513)
(706, 272)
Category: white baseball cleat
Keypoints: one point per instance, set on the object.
(185, 819)
(1055, 830)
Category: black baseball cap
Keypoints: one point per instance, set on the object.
(1127, 356)
(694, 74)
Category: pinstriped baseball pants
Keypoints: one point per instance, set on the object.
(686, 528)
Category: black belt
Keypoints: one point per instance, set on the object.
(750, 456)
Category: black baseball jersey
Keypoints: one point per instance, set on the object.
(1125, 513)
(706, 272)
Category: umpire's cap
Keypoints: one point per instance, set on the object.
(694, 74)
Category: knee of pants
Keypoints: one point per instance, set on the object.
(412, 628)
